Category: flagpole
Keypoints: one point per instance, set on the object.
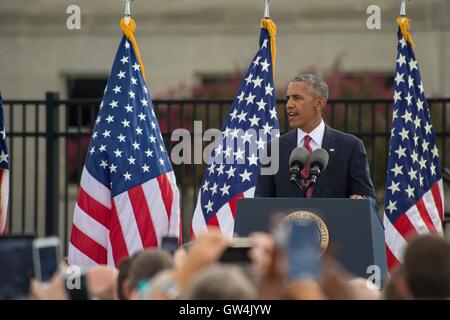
(127, 12)
(266, 9)
(403, 8)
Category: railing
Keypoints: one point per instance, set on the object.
(48, 141)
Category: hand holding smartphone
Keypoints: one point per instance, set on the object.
(46, 257)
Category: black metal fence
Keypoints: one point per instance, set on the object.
(48, 140)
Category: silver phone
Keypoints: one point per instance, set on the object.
(46, 257)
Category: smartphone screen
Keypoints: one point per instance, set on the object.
(303, 251)
(169, 244)
(236, 255)
(238, 252)
(46, 256)
(48, 262)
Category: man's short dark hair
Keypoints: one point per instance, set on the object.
(147, 264)
(427, 267)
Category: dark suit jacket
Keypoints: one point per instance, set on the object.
(347, 172)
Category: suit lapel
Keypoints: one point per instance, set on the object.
(329, 144)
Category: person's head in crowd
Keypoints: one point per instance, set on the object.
(101, 282)
(146, 265)
(162, 287)
(395, 287)
(221, 282)
(122, 284)
(427, 267)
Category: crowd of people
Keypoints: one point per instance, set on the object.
(197, 273)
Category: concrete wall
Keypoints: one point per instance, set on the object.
(180, 39)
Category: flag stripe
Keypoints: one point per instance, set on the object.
(198, 221)
(415, 219)
(392, 261)
(142, 216)
(213, 223)
(4, 180)
(128, 223)
(394, 240)
(110, 257)
(441, 188)
(225, 220)
(166, 193)
(116, 237)
(425, 216)
(93, 208)
(250, 193)
(175, 227)
(404, 225)
(233, 204)
(436, 192)
(95, 189)
(88, 246)
(90, 227)
(77, 257)
(157, 209)
(431, 207)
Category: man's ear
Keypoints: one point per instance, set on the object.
(321, 103)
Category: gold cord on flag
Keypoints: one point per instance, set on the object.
(403, 23)
(268, 24)
(128, 30)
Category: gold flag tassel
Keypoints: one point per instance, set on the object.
(270, 26)
(128, 30)
(403, 23)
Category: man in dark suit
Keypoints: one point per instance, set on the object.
(347, 174)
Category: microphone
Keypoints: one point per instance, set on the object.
(319, 161)
(297, 161)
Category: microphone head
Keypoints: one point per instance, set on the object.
(319, 158)
(299, 156)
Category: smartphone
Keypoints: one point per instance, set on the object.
(238, 252)
(169, 244)
(303, 251)
(16, 264)
(46, 257)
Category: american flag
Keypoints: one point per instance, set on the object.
(414, 192)
(4, 172)
(128, 197)
(234, 167)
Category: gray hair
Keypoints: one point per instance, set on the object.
(316, 82)
(221, 282)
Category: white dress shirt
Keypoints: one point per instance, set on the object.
(316, 136)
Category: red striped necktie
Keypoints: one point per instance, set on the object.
(307, 168)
